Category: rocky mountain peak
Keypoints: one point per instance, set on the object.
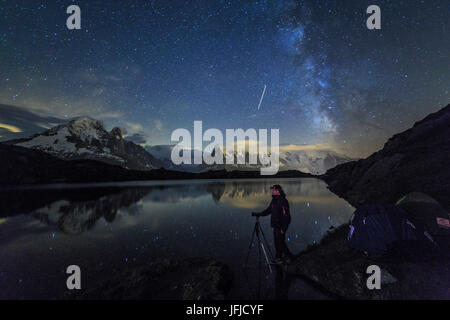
(87, 138)
(87, 129)
(116, 133)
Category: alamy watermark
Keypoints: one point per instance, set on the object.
(374, 20)
(74, 280)
(374, 280)
(234, 151)
(74, 20)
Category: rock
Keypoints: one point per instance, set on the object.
(187, 279)
(387, 278)
(415, 160)
(341, 271)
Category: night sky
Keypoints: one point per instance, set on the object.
(153, 66)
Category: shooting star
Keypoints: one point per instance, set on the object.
(262, 96)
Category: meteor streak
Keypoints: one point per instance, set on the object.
(262, 96)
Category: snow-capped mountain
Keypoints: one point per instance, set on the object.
(86, 138)
(307, 161)
(311, 161)
(163, 154)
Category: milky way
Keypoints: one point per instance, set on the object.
(154, 66)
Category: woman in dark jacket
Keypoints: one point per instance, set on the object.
(279, 220)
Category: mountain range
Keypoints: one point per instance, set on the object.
(87, 138)
(307, 161)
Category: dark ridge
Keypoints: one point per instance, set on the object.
(416, 160)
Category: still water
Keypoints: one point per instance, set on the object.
(104, 227)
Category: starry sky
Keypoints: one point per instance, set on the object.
(156, 65)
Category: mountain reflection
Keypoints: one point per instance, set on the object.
(75, 217)
(257, 194)
(74, 211)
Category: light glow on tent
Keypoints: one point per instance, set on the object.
(443, 222)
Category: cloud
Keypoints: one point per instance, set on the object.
(17, 122)
(296, 147)
(68, 107)
(133, 127)
(10, 128)
(90, 94)
(135, 132)
(138, 138)
(111, 115)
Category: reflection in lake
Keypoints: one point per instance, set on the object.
(103, 228)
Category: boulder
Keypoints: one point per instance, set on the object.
(165, 279)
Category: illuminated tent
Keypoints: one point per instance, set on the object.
(376, 228)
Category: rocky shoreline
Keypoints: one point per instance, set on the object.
(412, 161)
(334, 266)
(165, 279)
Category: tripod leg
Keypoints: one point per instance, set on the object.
(259, 263)
(250, 247)
(267, 259)
(266, 242)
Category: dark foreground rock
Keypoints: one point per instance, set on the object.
(416, 160)
(187, 279)
(337, 268)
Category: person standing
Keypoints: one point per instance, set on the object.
(279, 221)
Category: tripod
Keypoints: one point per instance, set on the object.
(257, 231)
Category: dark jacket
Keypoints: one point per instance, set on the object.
(279, 211)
